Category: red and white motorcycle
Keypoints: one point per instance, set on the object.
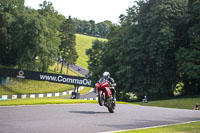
(106, 95)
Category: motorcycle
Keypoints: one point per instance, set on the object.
(106, 95)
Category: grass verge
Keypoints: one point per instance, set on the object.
(38, 101)
(179, 103)
(192, 127)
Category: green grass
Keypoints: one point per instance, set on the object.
(39, 101)
(180, 103)
(22, 86)
(193, 127)
(83, 43)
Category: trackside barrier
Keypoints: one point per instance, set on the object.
(41, 76)
(23, 96)
(79, 82)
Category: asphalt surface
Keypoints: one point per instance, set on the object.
(87, 118)
(79, 69)
(89, 95)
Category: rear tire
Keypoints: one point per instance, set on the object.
(111, 108)
(101, 98)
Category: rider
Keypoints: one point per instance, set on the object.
(106, 75)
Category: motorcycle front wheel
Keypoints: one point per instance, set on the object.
(101, 98)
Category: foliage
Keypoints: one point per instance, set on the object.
(67, 48)
(95, 55)
(149, 61)
(148, 54)
(100, 29)
(188, 55)
(51, 37)
(9, 10)
(26, 34)
(30, 38)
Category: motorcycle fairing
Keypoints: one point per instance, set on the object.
(109, 93)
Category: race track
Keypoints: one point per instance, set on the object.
(87, 118)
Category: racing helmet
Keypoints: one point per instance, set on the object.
(106, 74)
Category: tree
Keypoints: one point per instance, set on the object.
(104, 28)
(90, 28)
(50, 45)
(147, 51)
(95, 55)
(158, 24)
(29, 38)
(9, 10)
(29, 34)
(67, 48)
(142, 51)
(189, 54)
(87, 27)
(94, 29)
(78, 25)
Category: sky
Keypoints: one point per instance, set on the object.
(97, 10)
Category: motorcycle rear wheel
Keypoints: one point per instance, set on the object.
(111, 109)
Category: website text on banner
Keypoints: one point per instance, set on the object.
(41, 76)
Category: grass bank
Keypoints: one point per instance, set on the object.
(22, 86)
(83, 43)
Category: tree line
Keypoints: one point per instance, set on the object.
(32, 39)
(91, 28)
(154, 50)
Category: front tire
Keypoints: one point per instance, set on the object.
(101, 98)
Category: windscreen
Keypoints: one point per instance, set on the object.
(102, 80)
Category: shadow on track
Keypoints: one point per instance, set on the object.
(88, 112)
